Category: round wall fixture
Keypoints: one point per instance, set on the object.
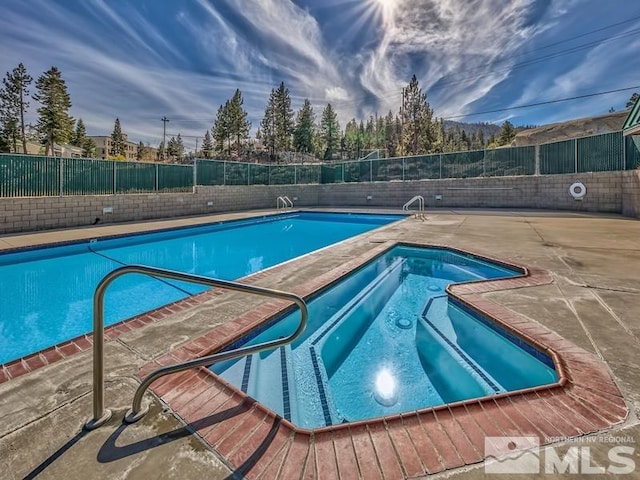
(577, 190)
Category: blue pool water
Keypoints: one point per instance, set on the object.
(46, 294)
(387, 339)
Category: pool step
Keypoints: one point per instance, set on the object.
(264, 376)
(441, 327)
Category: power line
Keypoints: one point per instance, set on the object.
(548, 102)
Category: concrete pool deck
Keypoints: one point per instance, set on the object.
(591, 300)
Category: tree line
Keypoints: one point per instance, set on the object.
(412, 130)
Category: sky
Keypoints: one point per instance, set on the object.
(146, 59)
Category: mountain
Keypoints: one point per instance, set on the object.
(487, 129)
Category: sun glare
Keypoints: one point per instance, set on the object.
(386, 8)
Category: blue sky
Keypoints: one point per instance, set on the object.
(141, 60)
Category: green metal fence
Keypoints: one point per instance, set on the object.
(37, 176)
(22, 176)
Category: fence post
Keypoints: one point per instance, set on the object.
(575, 150)
(343, 173)
(371, 170)
(624, 153)
(157, 175)
(403, 162)
(440, 166)
(268, 174)
(484, 163)
(295, 174)
(537, 160)
(115, 189)
(224, 173)
(61, 176)
(195, 174)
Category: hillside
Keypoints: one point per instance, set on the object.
(580, 127)
(487, 129)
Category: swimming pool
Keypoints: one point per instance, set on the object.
(46, 294)
(387, 339)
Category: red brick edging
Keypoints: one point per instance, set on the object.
(259, 444)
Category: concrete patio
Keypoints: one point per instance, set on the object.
(593, 301)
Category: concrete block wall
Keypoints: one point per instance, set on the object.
(612, 192)
(543, 192)
(631, 193)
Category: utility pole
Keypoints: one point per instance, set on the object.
(164, 137)
(401, 139)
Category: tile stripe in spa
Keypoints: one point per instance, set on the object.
(320, 383)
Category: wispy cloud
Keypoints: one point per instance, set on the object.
(183, 58)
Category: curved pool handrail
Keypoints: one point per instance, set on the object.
(102, 415)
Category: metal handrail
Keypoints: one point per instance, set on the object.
(286, 202)
(102, 415)
(419, 199)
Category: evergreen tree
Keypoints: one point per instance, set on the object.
(303, 131)
(419, 130)
(14, 104)
(80, 134)
(239, 126)
(283, 119)
(118, 148)
(507, 133)
(88, 148)
(160, 154)
(175, 148)
(140, 152)
(351, 138)
(330, 129)
(80, 139)
(55, 125)
(391, 135)
(220, 129)
(179, 147)
(207, 145)
(268, 126)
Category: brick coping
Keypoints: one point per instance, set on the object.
(258, 443)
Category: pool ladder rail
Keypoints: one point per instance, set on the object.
(419, 199)
(137, 411)
(283, 202)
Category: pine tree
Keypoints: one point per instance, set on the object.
(239, 126)
(268, 126)
(55, 125)
(179, 148)
(303, 131)
(80, 134)
(419, 133)
(330, 129)
(88, 148)
(140, 152)
(220, 129)
(14, 104)
(160, 154)
(118, 148)
(80, 139)
(175, 148)
(507, 133)
(207, 145)
(283, 119)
